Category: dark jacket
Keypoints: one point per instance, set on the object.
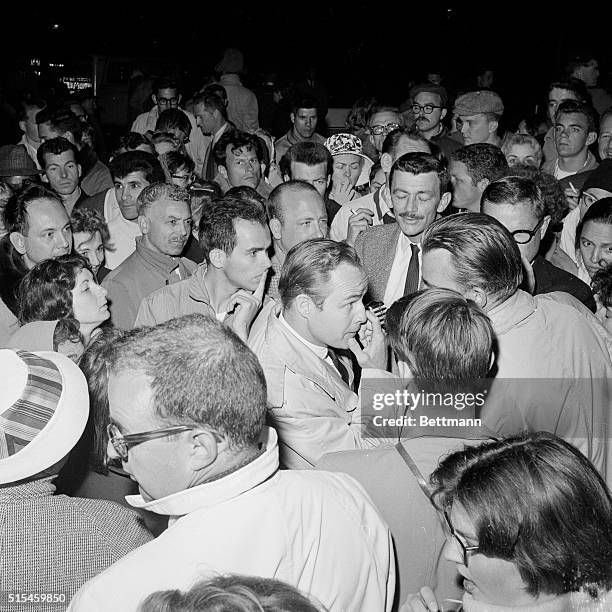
(12, 270)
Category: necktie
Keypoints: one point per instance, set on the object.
(412, 277)
(211, 167)
(387, 218)
(339, 366)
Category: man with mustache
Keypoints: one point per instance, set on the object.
(391, 254)
(164, 218)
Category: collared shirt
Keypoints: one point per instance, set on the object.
(123, 233)
(399, 270)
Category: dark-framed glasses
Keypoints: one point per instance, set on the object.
(189, 178)
(122, 444)
(466, 551)
(427, 108)
(524, 236)
(167, 101)
(377, 130)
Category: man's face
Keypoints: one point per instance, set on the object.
(425, 122)
(167, 226)
(465, 193)
(304, 217)
(205, 119)
(476, 128)
(572, 134)
(522, 154)
(438, 271)
(347, 168)
(166, 98)
(160, 466)
(242, 167)
(342, 313)
(605, 138)
(515, 217)
(48, 235)
(91, 247)
(589, 73)
(314, 175)
(127, 190)
(249, 260)
(555, 97)
(385, 120)
(63, 172)
(304, 121)
(29, 125)
(46, 132)
(416, 202)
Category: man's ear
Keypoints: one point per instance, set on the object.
(80, 170)
(69, 136)
(444, 201)
(217, 258)
(292, 117)
(18, 241)
(179, 98)
(204, 449)
(591, 138)
(482, 184)
(45, 178)
(286, 178)
(386, 161)
(544, 227)
(493, 125)
(144, 224)
(443, 113)
(22, 126)
(304, 305)
(223, 172)
(275, 228)
(154, 98)
(476, 294)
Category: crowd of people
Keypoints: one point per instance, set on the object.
(207, 342)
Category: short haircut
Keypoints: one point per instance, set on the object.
(393, 139)
(483, 252)
(512, 139)
(308, 266)
(55, 146)
(422, 163)
(131, 141)
(158, 191)
(236, 140)
(483, 161)
(201, 374)
(25, 106)
(602, 285)
(164, 82)
(173, 118)
(383, 108)
(576, 86)
(599, 212)
(62, 120)
(537, 501)
(605, 115)
(441, 335)
(579, 61)
(211, 102)
(309, 154)
(281, 196)
(581, 108)
(215, 89)
(515, 190)
(175, 161)
(137, 161)
(246, 194)
(233, 593)
(16, 212)
(89, 221)
(304, 102)
(217, 225)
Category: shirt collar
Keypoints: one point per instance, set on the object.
(165, 262)
(319, 351)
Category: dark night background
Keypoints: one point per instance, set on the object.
(359, 47)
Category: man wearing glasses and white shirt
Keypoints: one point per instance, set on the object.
(382, 121)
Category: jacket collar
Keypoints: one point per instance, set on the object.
(197, 288)
(166, 263)
(510, 313)
(210, 494)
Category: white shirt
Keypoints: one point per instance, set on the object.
(399, 270)
(123, 233)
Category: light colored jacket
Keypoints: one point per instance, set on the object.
(318, 531)
(311, 407)
(242, 107)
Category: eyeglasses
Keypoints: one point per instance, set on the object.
(167, 101)
(122, 444)
(467, 551)
(184, 177)
(427, 109)
(525, 236)
(377, 130)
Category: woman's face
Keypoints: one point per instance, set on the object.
(595, 246)
(89, 300)
(485, 579)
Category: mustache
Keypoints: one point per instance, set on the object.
(410, 216)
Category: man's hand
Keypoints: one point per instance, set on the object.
(358, 222)
(342, 193)
(529, 281)
(374, 351)
(245, 306)
(423, 601)
(572, 196)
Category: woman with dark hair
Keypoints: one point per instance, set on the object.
(64, 289)
(529, 525)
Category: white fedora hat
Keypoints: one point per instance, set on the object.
(44, 406)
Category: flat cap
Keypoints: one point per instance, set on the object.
(475, 102)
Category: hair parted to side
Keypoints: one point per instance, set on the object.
(281, 196)
(137, 161)
(392, 139)
(161, 191)
(581, 108)
(483, 161)
(55, 146)
(537, 501)
(17, 210)
(307, 153)
(217, 225)
(173, 118)
(232, 593)
(236, 141)
(516, 190)
(201, 374)
(422, 163)
(441, 336)
(308, 266)
(484, 254)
